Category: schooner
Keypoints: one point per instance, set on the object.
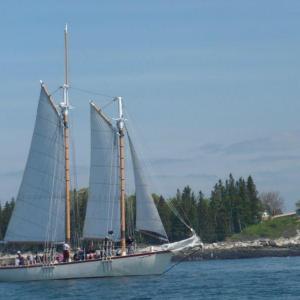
(42, 210)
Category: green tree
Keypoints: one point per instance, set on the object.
(164, 212)
(255, 203)
(204, 223)
(6, 214)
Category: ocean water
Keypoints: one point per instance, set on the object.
(263, 278)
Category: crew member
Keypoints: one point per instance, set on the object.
(66, 252)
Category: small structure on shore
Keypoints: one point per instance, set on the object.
(265, 216)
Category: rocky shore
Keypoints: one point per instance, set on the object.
(281, 247)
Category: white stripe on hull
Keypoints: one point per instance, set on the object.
(146, 264)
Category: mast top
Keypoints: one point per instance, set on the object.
(65, 105)
(121, 119)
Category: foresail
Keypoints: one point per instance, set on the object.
(39, 213)
(147, 217)
(103, 207)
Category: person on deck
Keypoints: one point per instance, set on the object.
(130, 245)
(20, 259)
(66, 252)
(37, 258)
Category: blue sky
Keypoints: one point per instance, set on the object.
(211, 87)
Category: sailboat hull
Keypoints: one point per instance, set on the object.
(153, 263)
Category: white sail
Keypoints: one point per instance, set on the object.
(39, 213)
(147, 217)
(103, 207)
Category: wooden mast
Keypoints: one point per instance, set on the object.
(120, 125)
(65, 110)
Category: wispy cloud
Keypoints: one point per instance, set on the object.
(211, 148)
(285, 142)
(201, 176)
(170, 161)
(276, 158)
(12, 173)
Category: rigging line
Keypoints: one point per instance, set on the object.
(58, 192)
(55, 91)
(185, 215)
(52, 192)
(55, 190)
(114, 177)
(98, 94)
(77, 225)
(181, 260)
(91, 92)
(109, 208)
(173, 208)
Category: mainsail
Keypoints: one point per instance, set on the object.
(147, 217)
(39, 214)
(103, 207)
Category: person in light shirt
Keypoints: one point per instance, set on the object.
(66, 252)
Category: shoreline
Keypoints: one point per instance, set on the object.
(282, 247)
(238, 253)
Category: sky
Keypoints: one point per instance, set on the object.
(210, 87)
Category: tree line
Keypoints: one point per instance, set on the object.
(5, 214)
(231, 206)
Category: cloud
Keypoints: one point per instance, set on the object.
(211, 148)
(12, 173)
(170, 161)
(202, 176)
(276, 158)
(282, 143)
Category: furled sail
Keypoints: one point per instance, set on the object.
(103, 207)
(39, 213)
(147, 217)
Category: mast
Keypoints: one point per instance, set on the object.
(120, 125)
(65, 109)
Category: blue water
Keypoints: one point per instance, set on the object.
(272, 278)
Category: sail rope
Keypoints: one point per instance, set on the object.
(116, 186)
(49, 222)
(93, 93)
(130, 217)
(175, 211)
(74, 187)
(181, 260)
(111, 200)
(53, 204)
(55, 91)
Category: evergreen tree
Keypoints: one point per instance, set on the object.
(255, 204)
(6, 214)
(164, 213)
(1, 222)
(204, 223)
(189, 207)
